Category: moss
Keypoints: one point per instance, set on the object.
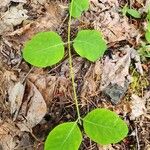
(139, 82)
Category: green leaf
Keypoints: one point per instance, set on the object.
(144, 51)
(147, 51)
(147, 36)
(90, 44)
(134, 13)
(66, 136)
(148, 26)
(104, 126)
(44, 49)
(148, 15)
(78, 6)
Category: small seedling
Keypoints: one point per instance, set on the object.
(148, 15)
(147, 36)
(144, 51)
(147, 33)
(132, 12)
(46, 49)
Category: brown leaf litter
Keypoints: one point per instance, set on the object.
(11, 137)
(12, 40)
(50, 20)
(34, 95)
(139, 106)
(51, 86)
(33, 109)
(111, 76)
(27, 110)
(7, 133)
(15, 97)
(12, 17)
(105, 16)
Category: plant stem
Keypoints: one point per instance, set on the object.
(71, 66)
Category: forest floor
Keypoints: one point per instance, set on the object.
(120, 81)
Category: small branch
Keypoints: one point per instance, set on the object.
(137, 138)
(27, 74)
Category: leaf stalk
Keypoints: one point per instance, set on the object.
(71, 65)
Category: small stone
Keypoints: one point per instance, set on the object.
(115, 92)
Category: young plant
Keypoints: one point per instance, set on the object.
(132, 12)
(144, 51)
(147, 34)
(46, 49)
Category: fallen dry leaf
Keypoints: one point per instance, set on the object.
(12, 138)
(108, 147)
(46, 84)
(24, 141)
(112, 76)
(15, 98)
(92, 80)
(39, 1)
(51, 86)
(77, 66)
(5, 3)
(137, 106)
(105, 17)
(115, 77)
(33, 109)
(7, 133)
(147, 5)
(13, 17)
(49, 21)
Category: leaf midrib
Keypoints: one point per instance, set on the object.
(93, 45)
(99, 125)
(43, 50)
(68, 134)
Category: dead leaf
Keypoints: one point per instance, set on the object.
(92, 80)
(115, 78)
(46, 84)
(24, 142)
(12, 138)
(15, 99)
(49, 21)
(136, 57)
(51, 86)
(7, 133)
(4, 3)
(105, 17)
(42, 2)
(147, 5)
(13, 17)
(77, 65)
(138, 106)
(33, 109)
(106, 147)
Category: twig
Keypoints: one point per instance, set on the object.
(137, 138)
(27, 74)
